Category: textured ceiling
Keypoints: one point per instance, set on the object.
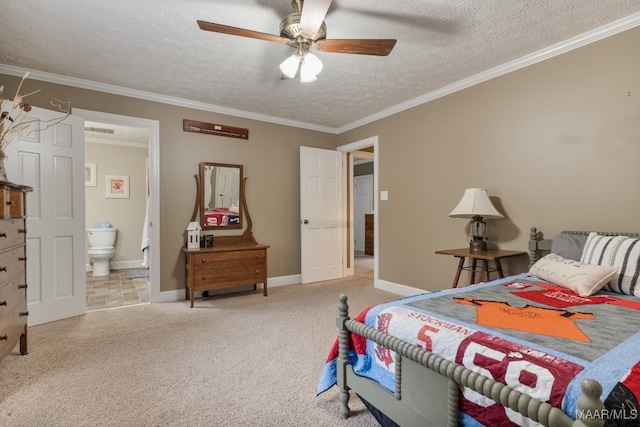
(156, 47)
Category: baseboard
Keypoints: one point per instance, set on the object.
(273, 282)
(119, 265)
(396, 288)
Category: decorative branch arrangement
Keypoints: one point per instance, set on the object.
(14, 120)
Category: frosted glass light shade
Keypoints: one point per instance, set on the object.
(289, 66)
(475, 202)
(309, 68)
(313, 63)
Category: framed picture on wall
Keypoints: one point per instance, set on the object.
(117, 187)
(90, 174)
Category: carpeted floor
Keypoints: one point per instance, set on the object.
(239, 359)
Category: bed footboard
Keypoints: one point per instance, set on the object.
(430, 396)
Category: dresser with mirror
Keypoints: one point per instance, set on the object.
(233, 259)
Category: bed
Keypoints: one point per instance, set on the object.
(568, 357)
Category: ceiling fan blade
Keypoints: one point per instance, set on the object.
(234, 31)
(313, 13)
(378, 47)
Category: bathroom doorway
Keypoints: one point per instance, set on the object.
(125, 149)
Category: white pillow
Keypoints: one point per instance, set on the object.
(583, 279)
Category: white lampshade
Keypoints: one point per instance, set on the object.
(289, 66)
(475, 202)
(310, 68)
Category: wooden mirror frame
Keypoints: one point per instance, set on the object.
(247, 236)
(204, 199)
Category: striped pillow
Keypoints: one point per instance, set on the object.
(626, 256)
(618, 251)
(600, 249)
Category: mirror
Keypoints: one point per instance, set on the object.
(220, 196)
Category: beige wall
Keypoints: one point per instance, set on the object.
(557, 144)
(127, 215)
(270, 158)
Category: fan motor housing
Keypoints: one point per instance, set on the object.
(290, 28)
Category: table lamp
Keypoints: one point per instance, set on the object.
(475, 204)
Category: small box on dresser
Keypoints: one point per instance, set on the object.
(13, 260)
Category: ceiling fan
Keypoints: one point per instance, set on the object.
(304, 29)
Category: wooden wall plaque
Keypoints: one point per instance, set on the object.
(214, 129)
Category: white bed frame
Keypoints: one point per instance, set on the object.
(429, 397)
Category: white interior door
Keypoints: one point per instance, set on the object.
(49, 157)
(362, 204)
(321, 214)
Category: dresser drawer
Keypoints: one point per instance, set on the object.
(13, 315)
(222, 278)
(228, 258)
(13, 290)
(12, 203)
(12, 263)
(12, 233)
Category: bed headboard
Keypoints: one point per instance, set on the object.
(537, 245)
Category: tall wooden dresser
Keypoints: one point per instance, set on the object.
(13, 267)
(368, 234)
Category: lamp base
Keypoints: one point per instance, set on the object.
(477, 246)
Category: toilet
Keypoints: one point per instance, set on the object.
(101, 249)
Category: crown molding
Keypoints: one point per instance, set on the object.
(149, 96)
(603, 32)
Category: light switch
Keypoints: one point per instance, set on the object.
(384, 195)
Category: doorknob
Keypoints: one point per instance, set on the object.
(305, 221)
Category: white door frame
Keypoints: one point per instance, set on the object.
(154, 184)
(348, 169)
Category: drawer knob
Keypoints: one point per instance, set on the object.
(203, 260)
(257, 271)
(24, 313)
(22, 258)
(22, 230)
(204, 277)
(3, 234)
(24, 286)
(3, 268)
(3, 303)
(4, 337)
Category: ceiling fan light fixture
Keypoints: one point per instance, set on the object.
(306, 77)
(313, 63)
(289, 66)
(310, 67)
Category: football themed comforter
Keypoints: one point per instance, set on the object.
(536, 337)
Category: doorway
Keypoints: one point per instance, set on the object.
(363, 149)
(97, 128)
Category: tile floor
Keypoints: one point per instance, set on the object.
(115, 290)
